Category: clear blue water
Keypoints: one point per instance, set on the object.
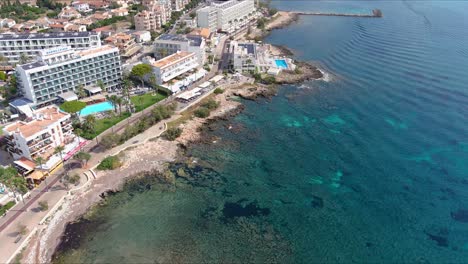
(96, 108)
(281, 64)
(369, 167)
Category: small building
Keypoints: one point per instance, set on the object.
(7, 23)
(142, 36)
(81, 6)
(69, 13)
(119, 12)
(244, 56)
(202, 32)
(104, 32)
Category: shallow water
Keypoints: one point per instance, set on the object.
(369, 167)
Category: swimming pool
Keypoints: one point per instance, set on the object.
(96, 108)
(281, 64)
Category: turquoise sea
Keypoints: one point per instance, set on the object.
(369, 166)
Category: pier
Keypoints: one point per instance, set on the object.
(375, 14)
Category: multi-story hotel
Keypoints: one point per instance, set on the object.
(178, 5)
(61, 69)
(225, 13)
(168, 44)
(173, 65)
(48, 129)
(13, 45)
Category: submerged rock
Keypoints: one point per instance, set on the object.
(237, 209)
(460, 215)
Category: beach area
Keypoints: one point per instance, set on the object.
(155, 153)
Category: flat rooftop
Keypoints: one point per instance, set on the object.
(44, 118)
(95, 50)
(46, 35)
(172, 59)
(193, 39)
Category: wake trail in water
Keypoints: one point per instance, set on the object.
(417, 12)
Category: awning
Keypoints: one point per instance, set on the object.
(93, 89)
(205, 85)
(25, 109)
(26, 164)
(36, 175)
(217, 78)
(69, 96)
(23, 106)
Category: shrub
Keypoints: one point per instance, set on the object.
(172, 133)
(43, 206)
(202, 112)
(218, 91)
(211, 104)
(110, 163)
(109, 141)
(73, 179)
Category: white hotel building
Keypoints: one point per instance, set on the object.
(173, 66)
(13, 45)
(48, 129)
(222, 15)
(60, 70)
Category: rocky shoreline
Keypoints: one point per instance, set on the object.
(155, 155)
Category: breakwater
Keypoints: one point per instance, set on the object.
(375, 14)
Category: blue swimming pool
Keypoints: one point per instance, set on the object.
(281, 64)
(96, 108)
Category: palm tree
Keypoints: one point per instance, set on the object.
(39, 161)
(119, 101)
(80, 91)
(24, 58)
(113, 100)
(78, 132)
(59, 150)
(101, 84)
(89, 122)
(153, 83)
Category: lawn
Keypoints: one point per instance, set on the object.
(103, 124)
(1, 130)
(146, 100)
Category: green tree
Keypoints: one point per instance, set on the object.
(10, 178)
(153, 83)
(140, 71)
(83, 157)
(78, 132)
(22, 229)
(109, 141)
(193, 15)
(73, 107)
(72, 179)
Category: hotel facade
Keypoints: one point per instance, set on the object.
(13, 45)
(60, 70)
(222, 15)
(173, 66)
(38, 137)
(168, 44)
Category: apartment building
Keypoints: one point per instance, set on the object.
(48, 128)
(125, 43)
(149, 20)
(61, 69)
(168, 44)
(178, 5)
(224, 14)
(13, 45)
(173, 65)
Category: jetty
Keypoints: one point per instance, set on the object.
(375, 14)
